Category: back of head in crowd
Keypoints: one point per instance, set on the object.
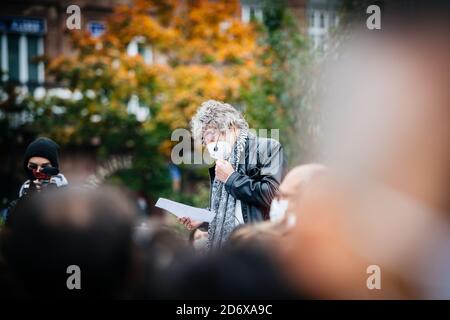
(232, 272)
(59, 233)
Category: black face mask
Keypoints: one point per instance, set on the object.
(45, 173)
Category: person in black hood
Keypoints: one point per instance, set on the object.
(41, 164)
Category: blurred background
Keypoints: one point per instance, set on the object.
(112, 92)
(371, 106)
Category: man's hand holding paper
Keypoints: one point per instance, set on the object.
(188, 215)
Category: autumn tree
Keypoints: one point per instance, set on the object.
(200, 49)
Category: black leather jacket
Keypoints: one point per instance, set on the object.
(256, 181)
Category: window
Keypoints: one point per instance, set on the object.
(21, 43)
(311, 19)
(138, 46)
(33, 52)
(251, 12)
(141, 112)
(333, 21)
(13, 57)
(322, 20)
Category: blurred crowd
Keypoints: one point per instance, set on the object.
(380, 197)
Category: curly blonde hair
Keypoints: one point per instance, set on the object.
(216, 115)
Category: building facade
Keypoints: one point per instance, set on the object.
(30, 29)
(34, 28)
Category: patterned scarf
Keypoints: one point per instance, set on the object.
(222, 203)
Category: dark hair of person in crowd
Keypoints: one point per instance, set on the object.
(159, 249)
(54, 230)
(262, 233)
(241, 272)
(203, 227)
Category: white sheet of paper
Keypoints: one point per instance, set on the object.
(183, 210)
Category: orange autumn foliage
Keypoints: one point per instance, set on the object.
(201, 50)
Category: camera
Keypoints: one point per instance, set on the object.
(45, 178)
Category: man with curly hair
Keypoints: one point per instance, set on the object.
(247, 171)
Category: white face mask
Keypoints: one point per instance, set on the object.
(278, 209)
(219, 150)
